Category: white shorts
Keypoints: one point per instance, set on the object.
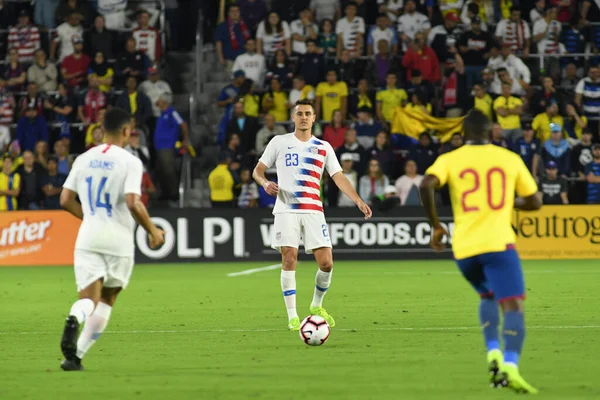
(291, 229)
(91, 266)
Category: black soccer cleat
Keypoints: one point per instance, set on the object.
(72, 365)
(68, 344)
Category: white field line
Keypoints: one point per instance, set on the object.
(254, 270)
(390, 329)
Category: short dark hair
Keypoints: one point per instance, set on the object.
(502, 69)
(313, 41)
(53, 158)
(476, 125)
(5, 156)
(305, 102)
(114, 121)
(514, 8)
(351, 3)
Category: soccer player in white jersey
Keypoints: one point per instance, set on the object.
(108, 180)
(301, 159)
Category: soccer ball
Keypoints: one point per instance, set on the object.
(314, 330)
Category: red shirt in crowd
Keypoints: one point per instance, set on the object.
(80, 65)
(92, 101)
(424, 60)
(335, 136)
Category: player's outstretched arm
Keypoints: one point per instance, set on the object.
(140, 214)
(427, 191)
(346, 187)
(68, 201)
(259, 176)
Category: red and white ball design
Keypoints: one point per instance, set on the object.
(314, 330)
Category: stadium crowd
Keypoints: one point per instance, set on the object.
(66, 62)
(363, 61)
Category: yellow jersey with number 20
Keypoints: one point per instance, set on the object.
(482, 180)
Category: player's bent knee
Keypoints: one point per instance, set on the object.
(326, 265)
(512, 304)
(109, 295)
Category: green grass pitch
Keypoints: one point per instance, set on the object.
(405, 330)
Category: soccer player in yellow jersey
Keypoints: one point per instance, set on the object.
(483, 179)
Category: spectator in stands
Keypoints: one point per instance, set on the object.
(253, 12)
(169, 127)
(301, 91)
(350, 31)
(530, 149)
(101, 69)
(455, 142)
(488, 77)
(484, 10)
(380, 66)
(423, 153)
(557, 149)
(421, 57)
(546, 32)
(89, 136)
(68, 7)
(91, 102)
(351, 70)
(407, 186)
(153, 88)
(24, 37)
(552, 187)
(574, 123)
(248, 189)
(244, 126)
(410, 23)
(514, 32)
(331, 95)
(98, 38)
(289, 10)
(361, 97)
(4, 138)
(275, 101)
(273, 34)
(542, 122)
(31, 128)
(15, 74)
(587, 96)
(481, 100)
(280, 68)
(97, 137)
(538, 11)
(382, 31)
(136, 148)
(66, 32)
(266, 133)
(226, 99)
(382, 152)
(352, 147)
(328, 39)
(455, 91)
(31, 174)
(575, 40)
(44, 12)
(373, 183)
(252, 63)
(443, 38)
(366, 127)
(235, 154)
(74, 68)
(336, 197)
(221, 184)
(61, 105)
(390, 98)
(417, 84)
(302, 30)
(387, 201)
(312, 64)
(498, 138)
(325, 9)
(250, 99)
(113, 12)
(508, 111)
(33, 98)
(581, 156)
(132, 62)
(393, 8)
(51, 185)
(547, 95)
(147, 38)
(510, 68)
(135, 102)
(42, 73)
(10, 185)
(41, 154)
(475, 47)
(592, 175)
(335, 132)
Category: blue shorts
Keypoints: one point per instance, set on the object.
(496, 275)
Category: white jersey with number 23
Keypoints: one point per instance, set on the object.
(102, 177)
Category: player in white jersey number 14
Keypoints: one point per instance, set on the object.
(108, 180)
(301, 159)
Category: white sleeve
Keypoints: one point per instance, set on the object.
(580, 86)
(260, 32)
(538, 27)
(464, 15)
(338, 27)
(71, 182)
(361, 25)
(500, 29)
(431, 36)
(331, 162)
(400, 27)
(311, 95)
(270, 155)
(425, 24)
(286, 30)
(177, 117)
(133, 180)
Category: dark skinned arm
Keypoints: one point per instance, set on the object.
(68, 201)
(427, 190)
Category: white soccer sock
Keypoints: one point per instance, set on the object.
(288, 287)
(95, 325)
(322, 282)
(82, 309)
